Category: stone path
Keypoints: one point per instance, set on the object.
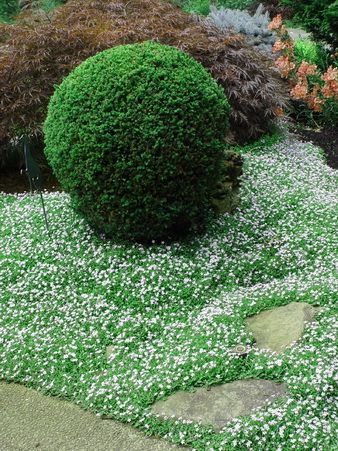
(220, 403)
(30, 421)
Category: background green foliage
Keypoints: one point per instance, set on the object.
(305, 116)
(49, 5)
(320, 17)
(8, 9)
(135, 134)
(313, 53)
(203, 6)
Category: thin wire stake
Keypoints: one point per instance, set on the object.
(34, 177)
(44, 212)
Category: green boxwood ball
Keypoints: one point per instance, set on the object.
(135, 135)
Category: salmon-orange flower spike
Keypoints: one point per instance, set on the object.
(300, 91)
(283, 31)
(315, 90)
(330, 89)
(330, 74)
(279, 112)
(276, 22)
(281, 45)
(289, 44)
(315, 103)
(278, 46)
(284, 65)
(306, 69)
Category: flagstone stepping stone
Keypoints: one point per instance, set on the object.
(277, 328)
(218, 404)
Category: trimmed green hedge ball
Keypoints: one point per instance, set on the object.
(135, 135)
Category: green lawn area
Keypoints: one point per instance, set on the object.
(174, 311)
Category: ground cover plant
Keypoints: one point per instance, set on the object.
(136, 135)
(173, 312)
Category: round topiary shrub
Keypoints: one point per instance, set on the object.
(135, 135)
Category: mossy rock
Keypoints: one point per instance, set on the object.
(225, 197)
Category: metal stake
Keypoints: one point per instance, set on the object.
(34, 177)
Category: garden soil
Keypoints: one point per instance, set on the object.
(327, 139)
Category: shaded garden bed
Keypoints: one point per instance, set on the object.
(326, 138)
(15, 182)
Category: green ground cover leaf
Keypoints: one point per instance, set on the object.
(173, 312)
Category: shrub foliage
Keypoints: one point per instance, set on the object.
(255, 26)
(320, 17)
(136, 135)
(313, 53)
(41, 49)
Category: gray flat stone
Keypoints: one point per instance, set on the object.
(220, 403)
(298, 33)
(31, 421)
(277, 328)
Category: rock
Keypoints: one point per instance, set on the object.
(225, 197)
(298, 33)
(218, 404)
(277, 328)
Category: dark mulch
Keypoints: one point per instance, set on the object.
(326, 138)
(13, 178)
(14, 182)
